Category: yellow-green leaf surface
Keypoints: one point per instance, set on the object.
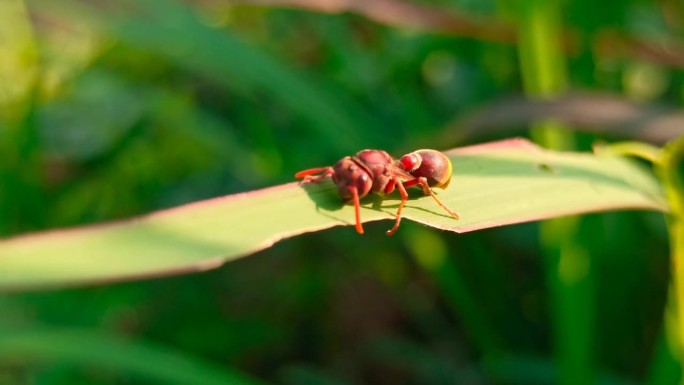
(493, 184)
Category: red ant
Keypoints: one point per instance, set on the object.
(375, 171)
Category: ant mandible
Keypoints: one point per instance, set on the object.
(375, 171)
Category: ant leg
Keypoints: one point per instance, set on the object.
(309, 176)
(357, 206)
(404, 197)
(422, 182)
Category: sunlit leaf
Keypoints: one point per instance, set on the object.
(494, 184)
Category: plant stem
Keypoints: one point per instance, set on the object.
(568, 263)
(671, 167)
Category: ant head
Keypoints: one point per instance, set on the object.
(348, 173)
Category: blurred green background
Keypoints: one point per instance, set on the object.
(110, 109)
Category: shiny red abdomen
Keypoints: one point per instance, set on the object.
(433, 165)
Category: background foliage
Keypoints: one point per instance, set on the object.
(110, 109)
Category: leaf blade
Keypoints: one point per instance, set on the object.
(494, 184)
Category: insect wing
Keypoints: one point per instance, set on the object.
(395, 170)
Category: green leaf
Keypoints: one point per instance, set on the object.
(492, 185)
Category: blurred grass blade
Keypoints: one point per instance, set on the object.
(432, 255)
(407, 15)
(569, 265)
(671, 170)
(596, 112)
(493, 184)
(18, 58)
(81, 348)
(177, 33)
(239, 67)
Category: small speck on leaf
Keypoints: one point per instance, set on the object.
(545, 168)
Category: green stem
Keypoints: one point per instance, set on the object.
(671, 168)
(669, 163)
(568, 263)
(432, 254)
